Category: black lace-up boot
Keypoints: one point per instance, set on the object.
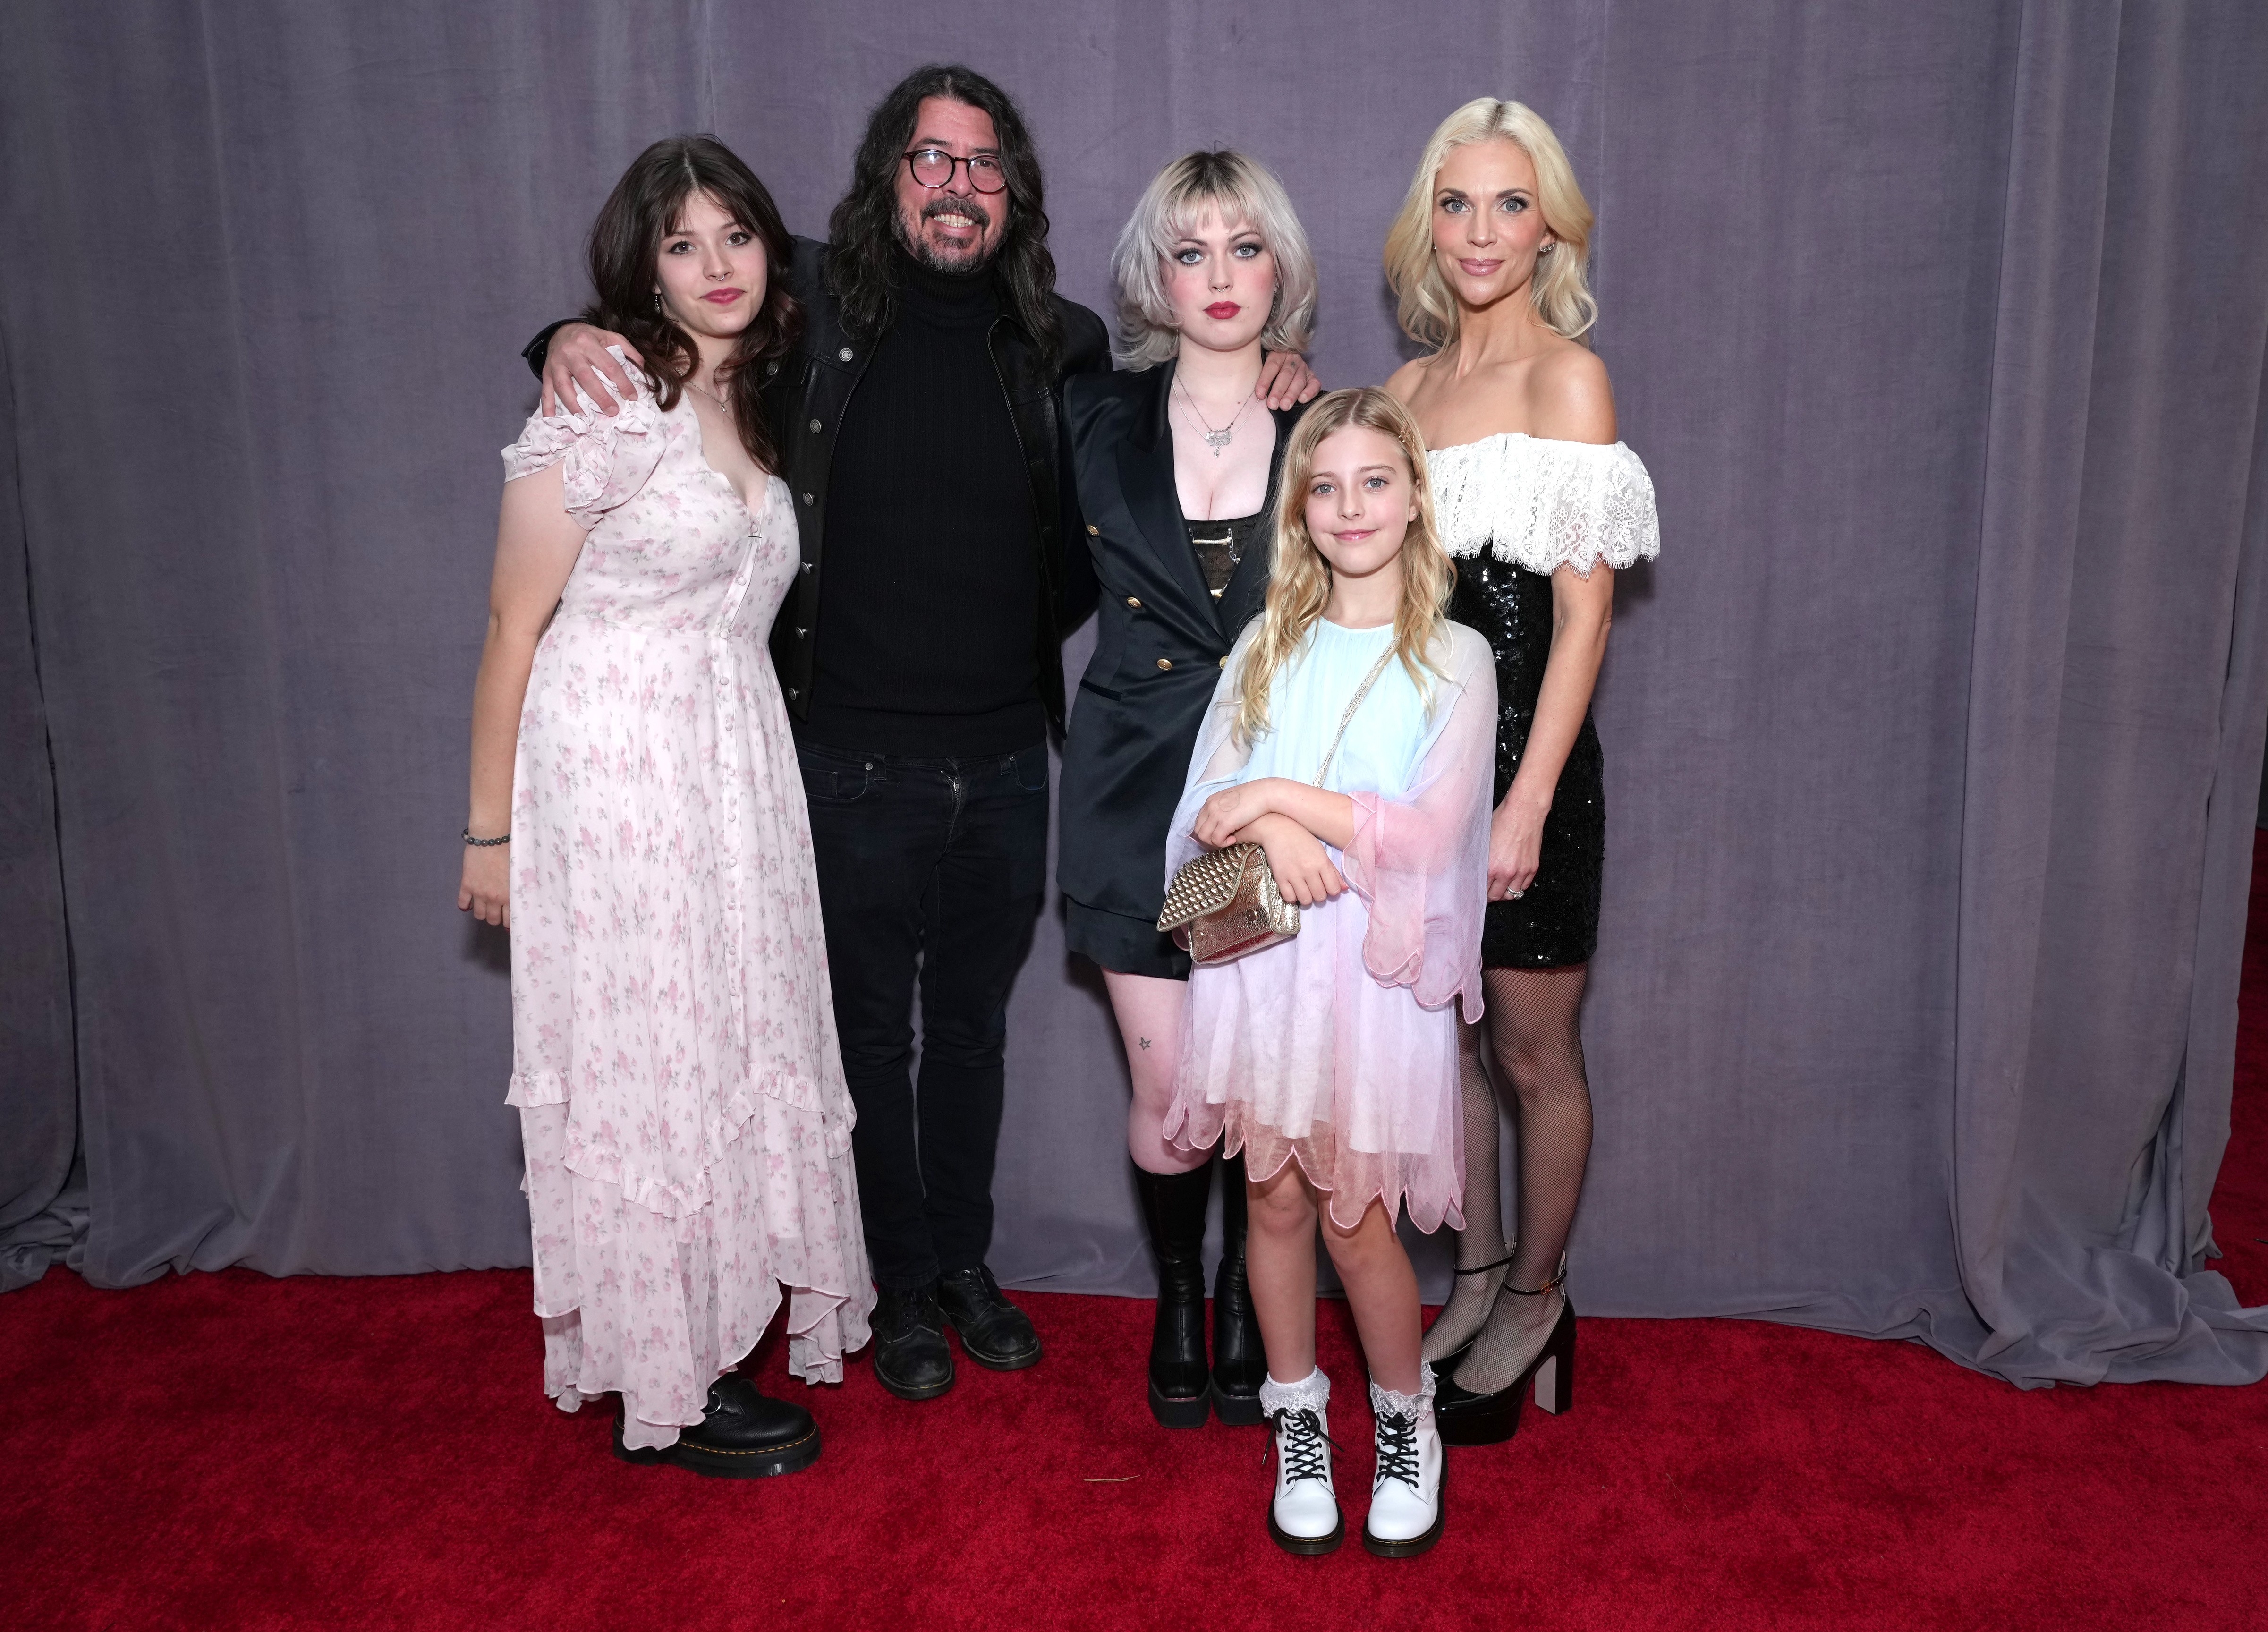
(994, 1332)
(1174, 1207)
(911, 1359)
(1240, 1364)
(743, 1434)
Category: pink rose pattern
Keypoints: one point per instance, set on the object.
(681, 1091)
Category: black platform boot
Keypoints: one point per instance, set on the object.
(1239, 1365)
(1174, 1207)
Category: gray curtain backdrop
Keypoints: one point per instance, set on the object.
(1934, 739)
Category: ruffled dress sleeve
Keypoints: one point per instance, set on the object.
(608, 457)
(1420, 861)
(1542, 503)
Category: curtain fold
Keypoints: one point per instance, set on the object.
(1932, 739)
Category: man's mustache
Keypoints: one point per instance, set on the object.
(952, 205)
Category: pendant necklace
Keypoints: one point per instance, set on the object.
(1214, 439)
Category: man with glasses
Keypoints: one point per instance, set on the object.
(919, 651)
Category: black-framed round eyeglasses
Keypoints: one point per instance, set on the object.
(933, 168)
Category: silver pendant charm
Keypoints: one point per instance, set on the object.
(1219, 440)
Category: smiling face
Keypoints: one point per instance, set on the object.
(1361, 499)
(952, 227)
(1220, 282)
(1488, 228)
(712, 270)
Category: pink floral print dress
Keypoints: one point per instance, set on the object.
(674, 1064)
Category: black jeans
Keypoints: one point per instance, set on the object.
(941, 862)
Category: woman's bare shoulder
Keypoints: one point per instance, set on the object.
(1403, 384)
(1570, 398)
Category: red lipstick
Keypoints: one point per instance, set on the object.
(1223, 310)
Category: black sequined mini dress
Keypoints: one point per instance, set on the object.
(1512, 509)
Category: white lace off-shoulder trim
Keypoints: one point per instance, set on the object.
(1542, 503)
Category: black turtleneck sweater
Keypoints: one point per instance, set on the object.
(930, 596)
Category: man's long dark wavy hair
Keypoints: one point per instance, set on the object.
(862, 262)
(625, 268)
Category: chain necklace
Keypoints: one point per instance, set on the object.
(1215, 440)
(724, 406)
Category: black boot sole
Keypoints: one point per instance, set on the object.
(912, 1391)
(1238, 1410)
(1192, 1412)
(1415, 1544)
(762, 1462)
(1306, 1546)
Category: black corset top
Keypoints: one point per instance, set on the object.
(1219, 546)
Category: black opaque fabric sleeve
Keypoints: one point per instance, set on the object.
(539, 347)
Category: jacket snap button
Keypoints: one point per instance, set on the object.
(772, 367)
(800, 631)
(1165, 662)
(843, 355)
(1134, 601)
(807, 498)
(1093, 531)
(1224, 662)
(814, 427)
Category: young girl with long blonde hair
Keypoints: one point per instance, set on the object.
(1351, 737)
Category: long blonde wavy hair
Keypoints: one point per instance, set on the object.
(1300, 580)
(1561, 285)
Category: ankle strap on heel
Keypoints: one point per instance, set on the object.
(1484, 1268)
(1558, 1279)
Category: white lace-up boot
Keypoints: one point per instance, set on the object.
(1304, 1515)
(1407, 1511)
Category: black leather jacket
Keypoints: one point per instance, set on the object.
(805, 400)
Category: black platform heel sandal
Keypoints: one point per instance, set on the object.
(1466, 1418)
(1455, 1357)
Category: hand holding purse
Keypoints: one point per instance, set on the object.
(1225, 905)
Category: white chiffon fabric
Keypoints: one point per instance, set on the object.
(681, 1099)
(1338, 1048)
(1542, 503)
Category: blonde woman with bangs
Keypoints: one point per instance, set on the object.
(1538, 505)
(1177, 460)
(1351, 737)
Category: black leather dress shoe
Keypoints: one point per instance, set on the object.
(994, 1331)
(911, 1358)
(743, 1434)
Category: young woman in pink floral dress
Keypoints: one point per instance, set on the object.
(637, 819)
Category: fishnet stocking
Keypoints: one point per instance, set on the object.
(1534, 1045)
(1482, 1240)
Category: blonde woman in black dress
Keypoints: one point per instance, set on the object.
(1177, 458)
(1539, 504)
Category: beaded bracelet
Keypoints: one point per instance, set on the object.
(482, 844)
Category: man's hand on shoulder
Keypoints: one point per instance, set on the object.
(1285, 379)
(577, 356)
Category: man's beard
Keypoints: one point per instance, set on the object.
(926, 255)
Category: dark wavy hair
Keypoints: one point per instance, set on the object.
(626, 243)
(862, 263)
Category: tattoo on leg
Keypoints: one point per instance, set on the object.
(1144, 1042)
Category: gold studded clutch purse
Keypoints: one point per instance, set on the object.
(1224, 905)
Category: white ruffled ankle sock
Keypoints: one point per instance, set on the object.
(1310, 1393)
(1386, 1402)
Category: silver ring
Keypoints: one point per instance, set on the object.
(1512, 895)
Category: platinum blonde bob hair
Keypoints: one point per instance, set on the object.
(1299, 580)
(1245, 192)
(1560, 286)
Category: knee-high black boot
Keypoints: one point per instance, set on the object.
(1174, 1207)
(1239, 1365)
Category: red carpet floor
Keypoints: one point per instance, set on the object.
(234, 1452)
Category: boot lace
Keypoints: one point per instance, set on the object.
(1398, 1451)
(1299, 1439)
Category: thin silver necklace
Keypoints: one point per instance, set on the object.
(1215, 440)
